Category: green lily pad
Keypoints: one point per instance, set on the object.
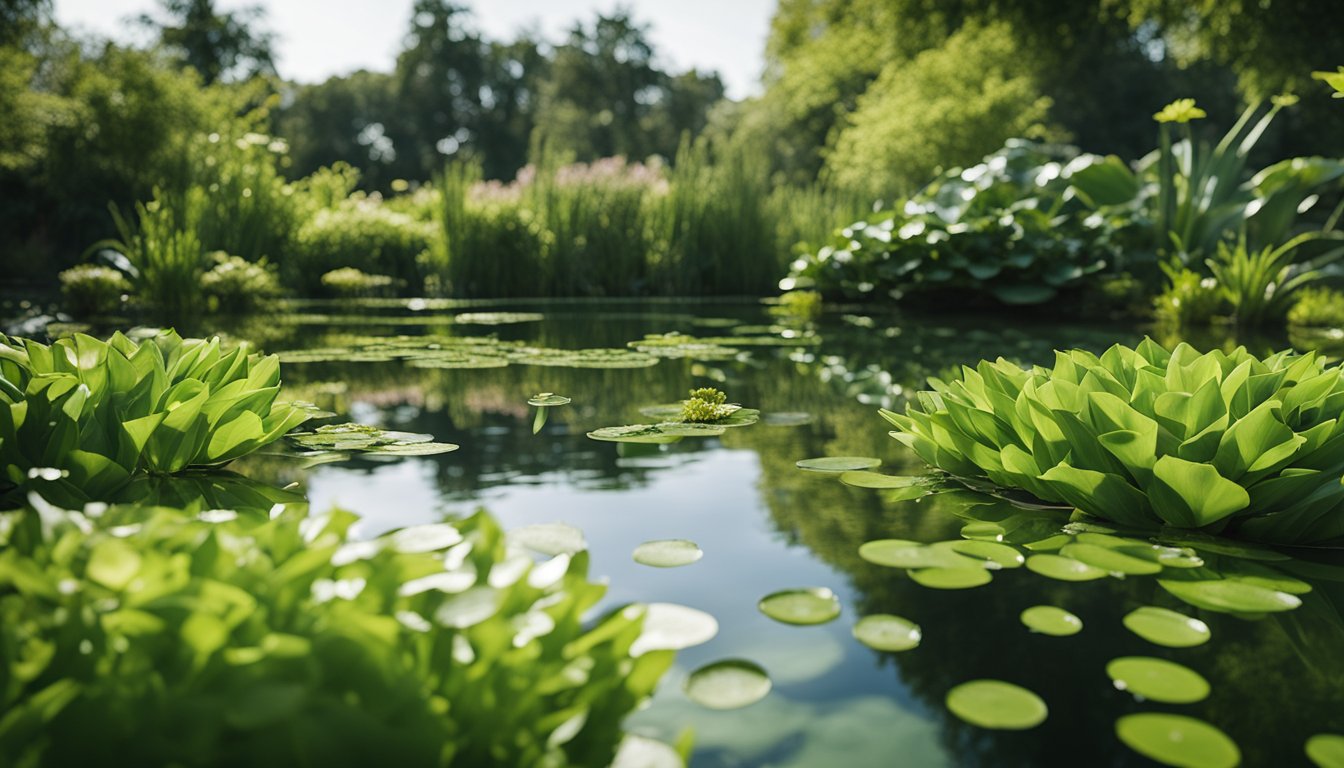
(1001, 555)
(412, 449)
(996, 704)
(671, 627)
(900, 553)
(497, 318)
(983, 531)
(839, 463)
(1049, 620)
(667, 553)
(951, 578)
(815, 605)
(1165, 627)
(1063, 568)
(728, 684)
(1231, 596)
(1109, 559)
(1158, 679)
(865, 479)
(885, 632)
(550, 538)
(1326, 750)
(642, 752)
(1177, 740)
(548, 400)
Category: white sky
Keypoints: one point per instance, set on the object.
(320, 38)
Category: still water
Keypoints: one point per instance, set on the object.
(765, 525)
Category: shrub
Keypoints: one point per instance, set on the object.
(948, 106)
(363, 235)
(93, 290)
(95, 413)
(1146, 437)
(249, 210)
(211, 638)
(1008, 228)
(235, 284)
(350, 282)
(1318, 308)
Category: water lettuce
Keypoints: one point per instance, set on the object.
(88, 414)
(1148, 437)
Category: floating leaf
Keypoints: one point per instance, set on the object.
(951, 578)
(815, 605)
(1165, 627)
(667, 553)
(412, 449)
(550, 538)
(885, 632)
(1063, 568)
(642, 752)
(1158, 679)
(1326, 750)
(497, 318)
(728, 684)
(1001, 555)
(671, 627)
(1230, 596)
(865, 479)
(996, 704)
(900, 553)
(548, 400)
(839, 463)
(1108, 559)
(1049, 620)
(1177, 740)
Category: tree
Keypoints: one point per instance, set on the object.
(341, 119)
(219, 46)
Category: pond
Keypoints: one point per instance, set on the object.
(1257, 656)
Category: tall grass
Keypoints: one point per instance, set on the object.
(163, 246)
(710, 225)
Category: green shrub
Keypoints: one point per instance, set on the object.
(947, 106)
(364, 235)
(1146, 437)
(249, 209)
(1190, 300)
(96, 413)
(235, 284)
(1318, 308)
(1008, 229)
(211, 638)
(93, 290)
(166, 252)
(351, 283)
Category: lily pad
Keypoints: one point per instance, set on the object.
(642, 752)
(1158, 679)
(997, 704)
(548, 400)
(672, 627)
(900, 553)
(1063, 568)
(550, 538)
(412, 449)
(983, 530)
(1231, 596)
(885, 632)
(951, 578)
(667, 553)
(1109, 559)
(497, 318)
(728, 684)
(1049, 620)
(1177, 740)
(839, 463)
(1326, 750)
(814, 605)
(864, 479)
(1165, 627)
(1001, 555)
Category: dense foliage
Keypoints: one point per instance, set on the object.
(1146, 437)
(211, 638)
(88, 415)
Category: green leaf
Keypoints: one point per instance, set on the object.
(1193, 495)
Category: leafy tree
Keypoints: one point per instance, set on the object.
(341, 119)
(513, 77)
(219, 46)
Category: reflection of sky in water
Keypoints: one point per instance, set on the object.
(828, 698)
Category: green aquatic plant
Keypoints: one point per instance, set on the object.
(705, 405)
(203, 637)
(1190, 300)
(1318, 308)
(1145, 437)
(89, 289)
(165, 249)
(235, 284)
(95, 413)
(1260, 285)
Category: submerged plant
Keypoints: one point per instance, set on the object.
(94, 413)
(1146, 437)
(212, 638)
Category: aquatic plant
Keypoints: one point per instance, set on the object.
(90, 414)
(235, 284)
(706, 404)
(1318, 308)
(365, 235)
(165, 250)
(1146, 437)
(1260, 285)
(349, 282)
(1190, 300)
(206, 637)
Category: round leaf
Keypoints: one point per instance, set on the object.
(815, 605)
(996, 704)
(728, 684)
(1177, 740)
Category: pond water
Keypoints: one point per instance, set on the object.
(1275, 678)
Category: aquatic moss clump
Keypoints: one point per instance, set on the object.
(705, 405)
(1145, 437)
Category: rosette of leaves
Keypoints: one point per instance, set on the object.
(209, 638)
(87, 414)
(1145, 437)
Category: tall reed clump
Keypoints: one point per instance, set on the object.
(490, 246)
(165, 250)
(250, 210)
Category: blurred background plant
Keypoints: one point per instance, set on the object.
(89, 289)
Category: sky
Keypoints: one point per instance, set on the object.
(320, 38)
